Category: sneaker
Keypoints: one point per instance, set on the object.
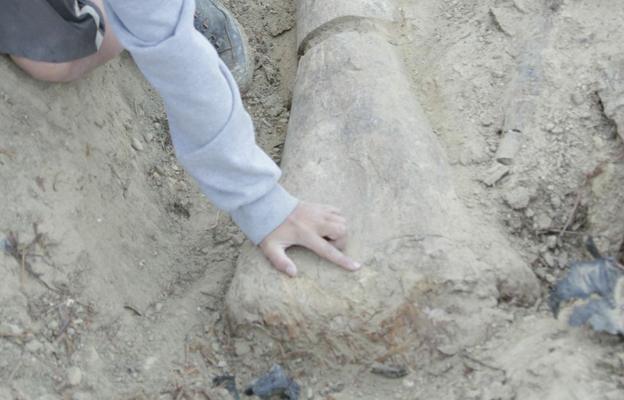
(219, 26)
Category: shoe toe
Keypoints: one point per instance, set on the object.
(224, 32)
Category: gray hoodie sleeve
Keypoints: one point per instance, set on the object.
(212, 133)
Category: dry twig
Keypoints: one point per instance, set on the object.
(21, 253)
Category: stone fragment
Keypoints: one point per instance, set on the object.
(549, 259)
(408, 383)
(555, 201)
(53, 325)
(241, 348)
(518, 198)
(509, 146)
(494, 174)
(314, 16)
(542, 222)
(149, 363)
(551, 241)
(577, 98)
(136, 144)
(389, 371)
(74, 376)
(359, 140)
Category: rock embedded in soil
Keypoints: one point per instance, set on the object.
(542, 222)
(74, 376)
(494, 174)
(358, 139)
(518, 198)
(136, 144)
(509, 146)
(241, 348)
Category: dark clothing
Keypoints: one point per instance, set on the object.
(50, 30)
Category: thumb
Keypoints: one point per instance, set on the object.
(277, 256)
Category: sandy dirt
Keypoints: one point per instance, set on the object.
(118, 289)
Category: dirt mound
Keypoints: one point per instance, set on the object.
(118, 292)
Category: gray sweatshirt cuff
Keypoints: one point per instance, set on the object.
(260, 218)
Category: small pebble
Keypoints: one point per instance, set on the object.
(74, 376)
(149, 363)
(555, 201)
(136, 144)
(518, 198)
(158, 170)
(408, 383)
(551, 241)
(549, 259)
(241, 348)
(542, 222)
(577, 98)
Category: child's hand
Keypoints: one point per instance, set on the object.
(319, 228)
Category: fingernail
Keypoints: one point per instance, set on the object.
(291, 270)
(356, 265)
